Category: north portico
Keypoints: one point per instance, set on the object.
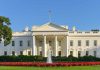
(50, 37)
(55, 43)
(59, 39)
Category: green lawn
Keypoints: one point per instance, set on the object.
(50, 68)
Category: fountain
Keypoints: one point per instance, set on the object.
(49, 59)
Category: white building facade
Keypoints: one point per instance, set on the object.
(58, 39)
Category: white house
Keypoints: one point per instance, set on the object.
(58, 39)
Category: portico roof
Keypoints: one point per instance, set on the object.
(49, 27)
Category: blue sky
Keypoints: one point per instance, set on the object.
(84, 14)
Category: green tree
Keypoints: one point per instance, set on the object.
(5, 30)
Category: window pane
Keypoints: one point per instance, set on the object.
(5, 53)
(29, 52)
(41, 43)
(13, 43)
(79, 53)
(71, 53)
(13, 52)
(87, 53)
(28, 42)
(59, 43)
(21, 52)
(41, 53)
(95, 42)
(79, 42)
(50, 43)
(71, 42)
(59, 53)
(87, 42)
(21, 43)
(95, 53)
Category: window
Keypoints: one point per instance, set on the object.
(95, 42)
(79, 42)
(71, 53)
(79, 53)
(50, 43)
(87, 53)
(5, 53)
(13, 43)
(59, 43)
(59, 53)
(29, 52)
(71, 42)
(87, 42)
(95, 53)
(28, 43)
(21, 52)
(13, 52)
(21, 43)
(41, 53)
(41, 43)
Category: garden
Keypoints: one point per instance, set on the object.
(39, 61)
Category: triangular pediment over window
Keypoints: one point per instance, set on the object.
(49, 27)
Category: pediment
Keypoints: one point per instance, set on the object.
(49, 27)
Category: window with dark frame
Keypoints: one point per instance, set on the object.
(79, 53)
(21, 43)
(95, 53)
(50, 43)
(87, 42)
(59, 53)
(5, 53)
(21, 52)
(95, 42)
(28, 43)
(71, 53)
(29, 52)
(13, 43)
(87, 53)
(79, 42)
(40, 53)
(13, 52)
(71, 42)
(41, 42)
(59, 43)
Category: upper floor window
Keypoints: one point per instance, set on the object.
(59, 43)
(95, 42)
(87, 42)
(79, 42)
(21, 43)
(71, 42)
(13, 43)
(41, 43)
(28, 43)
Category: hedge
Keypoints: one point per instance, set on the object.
(43, 59)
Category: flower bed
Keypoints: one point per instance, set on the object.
(43, 64)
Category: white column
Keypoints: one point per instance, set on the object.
(45, 47)
(34, 46)
(56, 46)
(67, 54)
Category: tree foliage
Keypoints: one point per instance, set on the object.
(5, 30)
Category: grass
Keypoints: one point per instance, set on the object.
(50, 68)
